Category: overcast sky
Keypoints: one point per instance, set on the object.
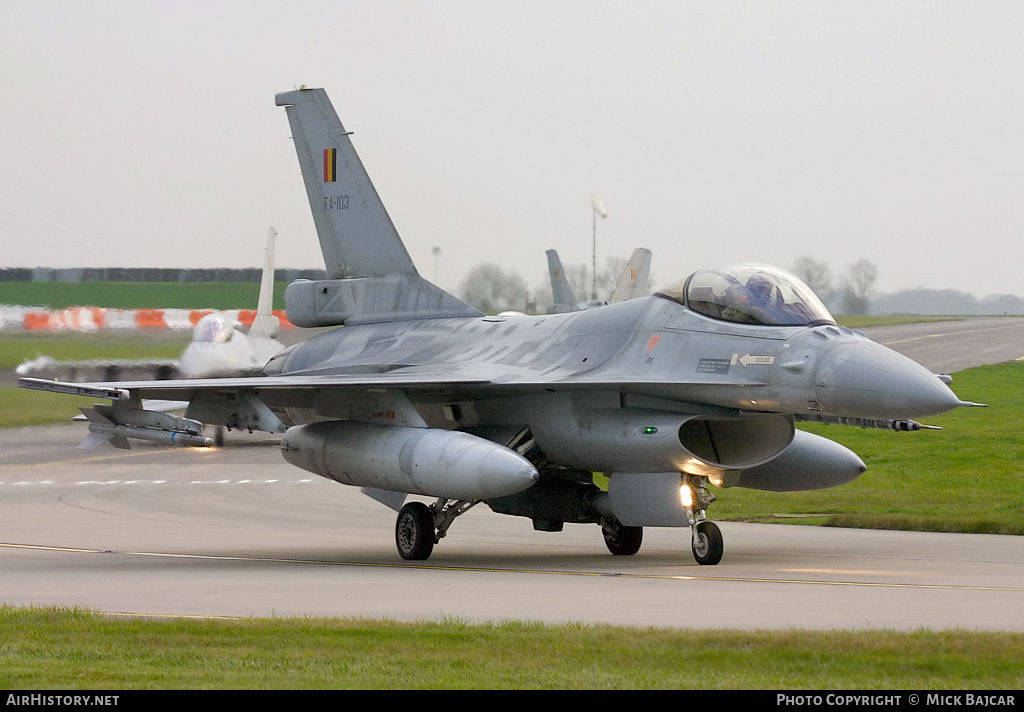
(145, 133)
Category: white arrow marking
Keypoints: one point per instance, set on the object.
(754, 360)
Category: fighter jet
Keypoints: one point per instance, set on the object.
(631, 281)
(671, 396)
(219, 348)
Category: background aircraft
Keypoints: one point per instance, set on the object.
(220, 347)
(632, 281)
(698, 385)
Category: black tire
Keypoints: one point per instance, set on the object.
(708, 548)
(414, 532)
(622, 540)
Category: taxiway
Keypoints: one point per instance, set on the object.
(236, 531)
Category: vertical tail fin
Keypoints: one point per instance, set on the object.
(634, 278)
(564, 300)
(265, 323)
(372, 276)
(356, 234)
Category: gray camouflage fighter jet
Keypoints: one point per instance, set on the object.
(419, 393)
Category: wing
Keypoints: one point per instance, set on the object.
(183, 390)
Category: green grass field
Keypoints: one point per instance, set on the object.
(137, 295)
(861, 321)
(69, 649)
(65, 346)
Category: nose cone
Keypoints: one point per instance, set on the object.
(863, 379)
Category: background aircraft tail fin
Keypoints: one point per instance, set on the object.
(564, 300)
(633, 281)
(265, 323)
(358, 240)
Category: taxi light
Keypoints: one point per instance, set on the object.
(686, 496)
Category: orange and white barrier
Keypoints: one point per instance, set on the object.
(90, 319)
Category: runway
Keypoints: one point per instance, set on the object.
(949, 346)
(236, 531)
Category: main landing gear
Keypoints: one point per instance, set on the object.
(420, 526)
(620, 539)
(414, 531)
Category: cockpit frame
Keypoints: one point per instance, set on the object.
(750, 294)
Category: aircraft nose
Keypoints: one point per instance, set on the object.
(867, 380)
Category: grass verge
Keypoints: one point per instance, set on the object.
(863, 321)
(72, 649)
(20, 407)
(18, 348)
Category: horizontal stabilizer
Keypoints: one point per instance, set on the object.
(363, 301)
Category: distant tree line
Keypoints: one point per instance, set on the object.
(853, 293)
(945, 301)
(850, 294)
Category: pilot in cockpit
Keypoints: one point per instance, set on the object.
(759, 301)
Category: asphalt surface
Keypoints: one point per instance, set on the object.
(950, 346)
(235, 531)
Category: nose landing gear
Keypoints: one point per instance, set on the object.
(706, 537)
(707, 543)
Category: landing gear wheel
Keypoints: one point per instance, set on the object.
(622, 540)
(414, 532)
(707, 544)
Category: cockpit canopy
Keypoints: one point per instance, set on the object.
(213, 329)
(750, 294)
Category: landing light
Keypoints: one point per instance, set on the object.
(686, 496)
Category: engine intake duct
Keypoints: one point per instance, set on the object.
(638, 440)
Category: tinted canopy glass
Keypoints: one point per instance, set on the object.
(213, 329)
(750, 294)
